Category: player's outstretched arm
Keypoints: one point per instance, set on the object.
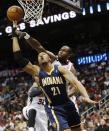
(73, 70)
(75, 83)
(25, 64)
(35, 44)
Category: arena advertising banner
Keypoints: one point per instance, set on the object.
(56, 18)
(92, 58)
(45, 20)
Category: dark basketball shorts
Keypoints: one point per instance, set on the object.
(63, 116)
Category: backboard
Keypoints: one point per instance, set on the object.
(75, 5)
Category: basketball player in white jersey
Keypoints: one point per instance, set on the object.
(34, 111)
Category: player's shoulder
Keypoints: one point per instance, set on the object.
(70, 62)
(36, 66)
(62, 69)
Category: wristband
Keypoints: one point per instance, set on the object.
(27, 36)
(13, 32)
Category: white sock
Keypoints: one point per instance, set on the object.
(30, 129)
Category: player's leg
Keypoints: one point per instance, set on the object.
(31, 119)
(73, 117)
(57, 118)
(75, 122)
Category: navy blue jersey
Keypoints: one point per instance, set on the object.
(54, 86)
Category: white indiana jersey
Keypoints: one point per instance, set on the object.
(37, 103)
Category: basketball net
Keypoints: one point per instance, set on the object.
(33, 9)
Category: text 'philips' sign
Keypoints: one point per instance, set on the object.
(92, 58)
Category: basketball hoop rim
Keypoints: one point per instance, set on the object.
(33, 9)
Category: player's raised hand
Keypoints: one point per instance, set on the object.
(20, 34)
(14, 28)
(15, 24)
(88, 100)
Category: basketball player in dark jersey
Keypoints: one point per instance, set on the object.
(52, 79)
(62, 57)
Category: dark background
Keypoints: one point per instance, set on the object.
(81, 30)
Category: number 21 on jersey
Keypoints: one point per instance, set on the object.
(56, 91)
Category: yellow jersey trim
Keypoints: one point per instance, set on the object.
(50, 102)
(49, 73)
(56, 120)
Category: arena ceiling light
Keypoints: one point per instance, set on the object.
(84, 11)
(1, 33)
(99, 8)
(91, 9)
(107, 5)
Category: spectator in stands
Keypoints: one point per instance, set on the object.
(102, 126)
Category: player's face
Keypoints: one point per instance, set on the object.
(64, 52)
(43, 58)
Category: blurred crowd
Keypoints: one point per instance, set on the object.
(14, 85)
(97, 121)
(13, 95)
(95, 77)
(92, 47)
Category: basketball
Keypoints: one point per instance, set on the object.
(15, 13)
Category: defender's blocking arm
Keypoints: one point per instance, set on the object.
(35, 44)
(73, 70)
(75, 83)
